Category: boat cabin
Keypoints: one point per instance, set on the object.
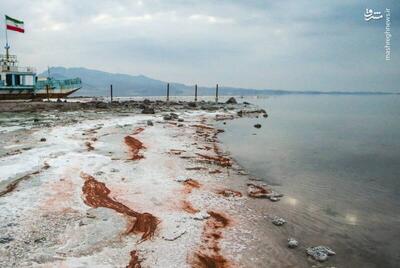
(12, 76)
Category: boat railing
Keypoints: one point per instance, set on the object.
(59, 84)
(11, 68)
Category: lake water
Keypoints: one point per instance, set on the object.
(337, 160)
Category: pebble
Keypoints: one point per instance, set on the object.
(278, 221)
(292, 243)
(202, 215)
(320, 253)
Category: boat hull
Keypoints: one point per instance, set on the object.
(36, 95)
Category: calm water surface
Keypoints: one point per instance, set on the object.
(337, 160)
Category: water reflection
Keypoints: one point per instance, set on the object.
(351, 219)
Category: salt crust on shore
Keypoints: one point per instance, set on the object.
(52, 226)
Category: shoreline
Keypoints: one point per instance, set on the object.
(196, 200)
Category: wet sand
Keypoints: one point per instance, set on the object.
(110, 189)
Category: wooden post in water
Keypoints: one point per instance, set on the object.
(216, 94)
(111, 93)
(195, 92)
(167, 92)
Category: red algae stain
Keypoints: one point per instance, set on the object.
(209, 253)
(218, 160)
(134, 262)
(138, 130)
(229, 193)
(188, 207)
(189, 185)
(257, 191)
(135, 145)
(96, 195)
(203, 127)
(89, 146)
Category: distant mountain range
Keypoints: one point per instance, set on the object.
(97, 83)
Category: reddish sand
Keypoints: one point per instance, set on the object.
(135, 145)
(209, 253)
(97, 195)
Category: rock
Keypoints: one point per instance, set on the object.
(146, 101)
(150, 123)
(174, 116)
(101, 105)
(274, 199)
(231, 100)
(265, 115)
(167, 117)
(202, 215)
(192, 104)
(180, 120)
(257, 125)
(148, 110)
(5, 240)
(43, 139)
(320, 253)
(278, 221)
(293, 243)
(274, 196)
(240, 113)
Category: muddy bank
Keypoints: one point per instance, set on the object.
(139, 106)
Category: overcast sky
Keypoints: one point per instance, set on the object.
(294, 45)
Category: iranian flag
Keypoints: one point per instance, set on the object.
(14, 24)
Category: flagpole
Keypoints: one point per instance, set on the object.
(7, 46)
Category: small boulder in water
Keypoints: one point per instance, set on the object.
(257, 125)
(278, 221)
(320, 253)
(150, 123)
(292, 243)
(231, 100)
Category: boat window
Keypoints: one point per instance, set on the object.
(29, 80)
(17, 80)
(9, 79)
